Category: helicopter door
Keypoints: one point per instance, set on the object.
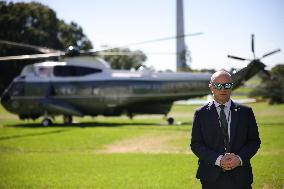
(114, 96)
(111, 96)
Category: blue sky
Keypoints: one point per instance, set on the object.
(227, 26)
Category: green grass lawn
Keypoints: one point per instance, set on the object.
(116, 152)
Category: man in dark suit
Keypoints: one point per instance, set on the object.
(224, 138)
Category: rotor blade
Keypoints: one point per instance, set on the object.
(272, 52)
(235, 57)
(133, 53)
(252, 45)
(118, 53)
(32, 56)
(165, 38)
(33, 47)
(149, 41)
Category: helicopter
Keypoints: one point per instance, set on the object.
(85, 86)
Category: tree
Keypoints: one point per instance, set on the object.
(37, 24)
(72, 34)
(272, 88)
(123, 58)
(33, 24)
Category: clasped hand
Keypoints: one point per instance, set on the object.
(230, 161)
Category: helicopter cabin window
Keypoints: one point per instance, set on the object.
(74, 71)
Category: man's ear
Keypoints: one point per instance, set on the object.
(210, 87)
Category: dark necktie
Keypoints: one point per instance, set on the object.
(224, 125)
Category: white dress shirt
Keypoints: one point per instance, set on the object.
(227, 111)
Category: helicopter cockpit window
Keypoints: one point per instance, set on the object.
(74, 71)
(29, 69)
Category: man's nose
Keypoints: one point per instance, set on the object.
(223, 88)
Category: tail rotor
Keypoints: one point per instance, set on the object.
(252, 45)
(256, 60)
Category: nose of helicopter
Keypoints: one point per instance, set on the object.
(5, 99)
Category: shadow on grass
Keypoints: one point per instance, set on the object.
(267, 124)
(94, 124)
(32, 134)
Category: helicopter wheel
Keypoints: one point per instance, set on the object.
(67, 119)
(46, 122)
(170, 120)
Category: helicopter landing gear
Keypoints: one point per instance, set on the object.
(130, 115)
(67, 119)
(46, 122)
(170, 120)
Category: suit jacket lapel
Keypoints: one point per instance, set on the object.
(214, 118)
(234, 121)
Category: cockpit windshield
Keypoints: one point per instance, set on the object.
(29, 69)
(42, 71)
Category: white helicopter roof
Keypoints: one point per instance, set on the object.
(46, 67)
(46, 70)
(90, 62)
(146, 73)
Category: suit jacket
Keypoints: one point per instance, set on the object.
(207, 141)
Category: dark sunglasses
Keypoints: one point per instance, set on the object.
(218, 86)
